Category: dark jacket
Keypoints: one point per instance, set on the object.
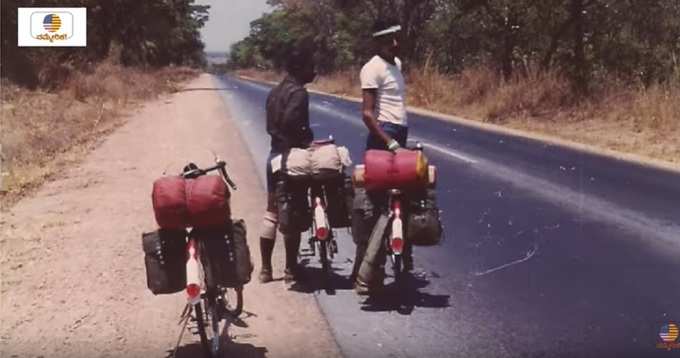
(288, 116)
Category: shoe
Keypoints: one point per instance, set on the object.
(361, 289)
(266, 275)
(291, 274)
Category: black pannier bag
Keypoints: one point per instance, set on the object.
(292, 202)
(339, 201)
(424, 227)
(225, 254)
(165, 257)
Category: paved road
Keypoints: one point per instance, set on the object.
(549, 252)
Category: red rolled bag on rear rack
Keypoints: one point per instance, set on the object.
(405, 169)
(180, 203)
(169, 202)
(207, 200)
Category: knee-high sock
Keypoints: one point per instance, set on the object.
(266, 250)
(292, 243)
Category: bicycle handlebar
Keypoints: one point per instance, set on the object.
(221, 166)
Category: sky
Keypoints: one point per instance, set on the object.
(229, 21)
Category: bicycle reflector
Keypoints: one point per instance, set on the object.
(193, 291)
(397, 245)
(322, 233)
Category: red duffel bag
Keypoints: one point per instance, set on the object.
(207, 199)
(405, 169)
(169, 203)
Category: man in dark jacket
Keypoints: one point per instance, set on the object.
(288, 126)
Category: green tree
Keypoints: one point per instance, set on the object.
(149, 32)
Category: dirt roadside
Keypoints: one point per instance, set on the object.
(72, 272)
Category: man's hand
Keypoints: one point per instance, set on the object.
(368, 115)
(393, 145)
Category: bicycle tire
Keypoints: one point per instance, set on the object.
(200, 321)
(215, 339)
(398, 268)
(325, 262)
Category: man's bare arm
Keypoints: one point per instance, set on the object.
(368, 115)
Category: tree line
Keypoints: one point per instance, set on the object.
(587, 41)
(137, 33)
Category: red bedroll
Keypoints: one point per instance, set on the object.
(207, 199)
(169, 202)
(405, 169)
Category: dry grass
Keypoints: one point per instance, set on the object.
(44, 131)
(344, 83)
(482, 94)
(642, 121)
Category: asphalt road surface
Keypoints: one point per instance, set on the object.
(549, 252)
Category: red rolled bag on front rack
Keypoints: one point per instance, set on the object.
(405, 169)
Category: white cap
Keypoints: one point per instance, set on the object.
(387, 31)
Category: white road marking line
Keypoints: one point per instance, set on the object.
(438, 148)
(448, 152)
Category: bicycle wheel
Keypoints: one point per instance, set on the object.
(325, 262)
(200, 322)
(233, 301)
(210, 325)
(217, 324)
(323, 257)
(398, 268)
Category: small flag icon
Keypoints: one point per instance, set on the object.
(669, 333)
(52, 23)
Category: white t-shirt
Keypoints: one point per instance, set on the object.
(388, 80)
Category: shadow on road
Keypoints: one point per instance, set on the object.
(232, 349)
(313, 280)
(405, 298)
(392, 298)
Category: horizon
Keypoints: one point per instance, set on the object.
(229, 22)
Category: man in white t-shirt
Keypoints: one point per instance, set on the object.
(384, 92)
(384, 113)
